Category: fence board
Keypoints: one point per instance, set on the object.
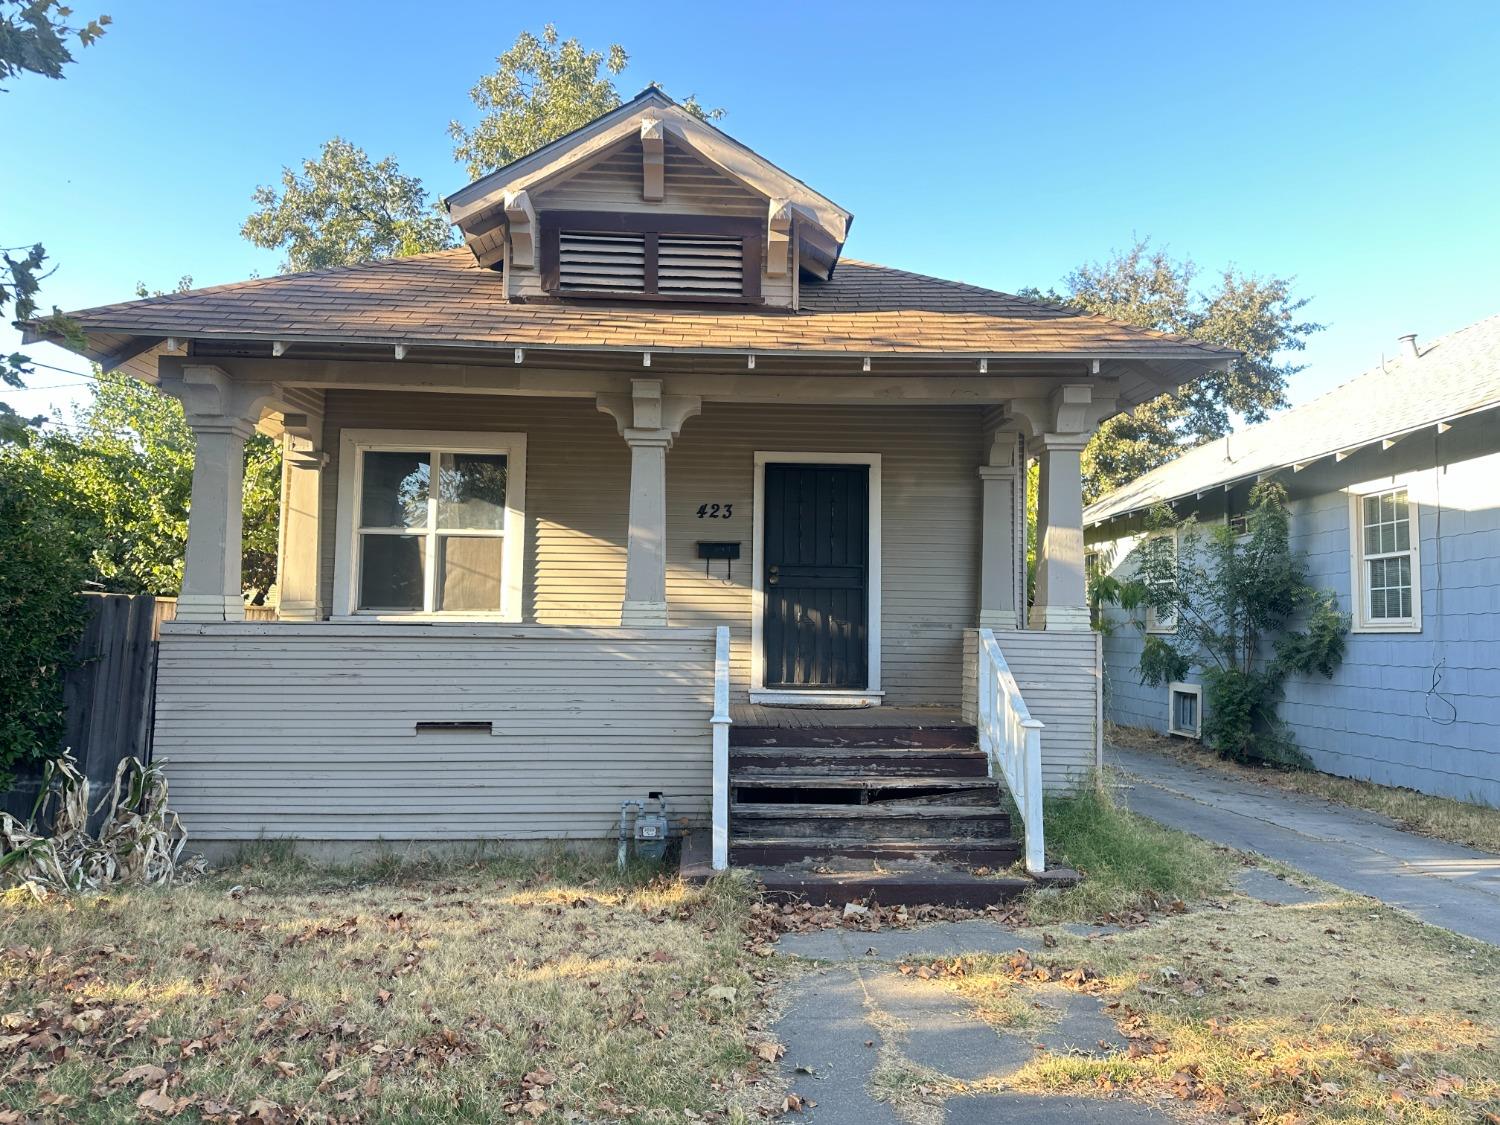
(107, 696)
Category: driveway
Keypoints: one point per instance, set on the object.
(1448, 885)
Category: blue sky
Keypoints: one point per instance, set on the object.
(1353, 145)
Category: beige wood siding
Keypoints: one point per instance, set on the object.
(578, 475)
(1058, 674)
(308, 731)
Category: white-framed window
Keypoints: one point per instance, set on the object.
(1185, 710)
(1238, 523)
(1385, 561)
(1163, 622)
(431, 523)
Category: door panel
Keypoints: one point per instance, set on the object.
(816, 573)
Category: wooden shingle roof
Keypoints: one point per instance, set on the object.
(444, 298)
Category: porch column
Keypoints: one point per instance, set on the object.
(298, 569)
(1002, 566)
(1061, 599)
(649, 421)
(646, 547)
(222, 415)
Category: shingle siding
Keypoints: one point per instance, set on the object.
(1381, 717)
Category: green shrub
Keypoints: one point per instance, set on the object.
(42, 570)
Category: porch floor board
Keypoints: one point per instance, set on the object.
(814, 718)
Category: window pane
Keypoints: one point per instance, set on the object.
(1372, 510)
(394, 490)
(469, 573)
(391, 571)
(1372, 539)
(471, 490)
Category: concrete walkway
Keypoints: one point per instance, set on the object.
(1454, 887)
(847, 1019)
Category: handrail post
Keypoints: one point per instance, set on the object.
(1036, 848)
(721, 722)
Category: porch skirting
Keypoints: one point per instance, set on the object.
(1058, 673)
(430, 732)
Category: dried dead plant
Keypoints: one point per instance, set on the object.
(140, 841)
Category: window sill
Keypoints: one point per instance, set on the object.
(1395, 627)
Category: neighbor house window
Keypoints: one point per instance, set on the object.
(1163, 622)
(1387, 565)
(431, 524)
(1185, 710)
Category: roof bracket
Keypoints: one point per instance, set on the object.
(401, 350)
(866, 365)
(520, 355)
(984, 367)
(521, 217)
(279, 347)
(653, 186)
(778, 238)
(645, 359)
(750, 362)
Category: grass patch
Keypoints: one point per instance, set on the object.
(1459, 822)
(551, 988)
(1129, 863)
(1335, 1011)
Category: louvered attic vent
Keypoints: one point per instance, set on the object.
(700, 266)
(626, 256)
(601, 263)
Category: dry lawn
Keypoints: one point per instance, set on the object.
(275, 993)
(1334, 1011)
(1458, 822)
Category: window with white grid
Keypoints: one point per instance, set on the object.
(1387, 569)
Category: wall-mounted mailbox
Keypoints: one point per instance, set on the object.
(718, 550)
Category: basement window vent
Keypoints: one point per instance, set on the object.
(698, 266)
(601, 263)
(1185, 710)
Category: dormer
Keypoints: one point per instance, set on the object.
(649, 203)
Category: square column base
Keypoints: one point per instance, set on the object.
(1067, 618)
(998, 619)
(210, 607)
(637, 614)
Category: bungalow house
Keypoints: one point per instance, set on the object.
(644, 457)
(1394, 483)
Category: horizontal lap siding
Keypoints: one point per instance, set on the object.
(1058, 676)
(310, 732)
(577, 503)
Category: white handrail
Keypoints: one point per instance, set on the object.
(721, 721)
(1012, 739)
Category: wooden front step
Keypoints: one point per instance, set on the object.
(770, 851)
(853, 738)
(947, 762)
(888, 820)
(936, 886)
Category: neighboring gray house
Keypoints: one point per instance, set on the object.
(1394, 479)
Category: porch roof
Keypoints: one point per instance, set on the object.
(444, 299)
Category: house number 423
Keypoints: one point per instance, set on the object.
(715, 511)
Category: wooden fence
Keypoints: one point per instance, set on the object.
(108, 694)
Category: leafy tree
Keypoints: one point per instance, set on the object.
(42, 569)
(33, 40)
(1258, 316)
(1236, 601)
(542, 89)
(342, 208)
(122, 473)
